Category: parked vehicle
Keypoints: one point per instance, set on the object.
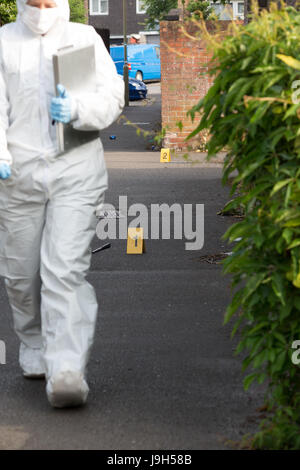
(137, 89)
(143, 60)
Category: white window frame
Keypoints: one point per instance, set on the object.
(92, 13)
(139, 11)
(237, 9)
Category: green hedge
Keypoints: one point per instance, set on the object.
(252, 110)
(8, 11)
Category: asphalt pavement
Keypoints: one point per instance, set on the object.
(162, 373)
(142, 114)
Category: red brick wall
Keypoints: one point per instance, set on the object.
(182, 86)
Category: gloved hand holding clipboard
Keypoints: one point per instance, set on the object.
(74, 74)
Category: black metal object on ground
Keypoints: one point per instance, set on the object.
(104, 247)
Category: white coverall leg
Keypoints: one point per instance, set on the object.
(48, 206)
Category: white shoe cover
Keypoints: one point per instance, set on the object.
(67, 389)
(32, 362)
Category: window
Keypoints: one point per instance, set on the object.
(217, 8)
(233, 10)
(98, 7)
(240, 8)
(140, 7)
(223, 12)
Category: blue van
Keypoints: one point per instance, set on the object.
(143, 60)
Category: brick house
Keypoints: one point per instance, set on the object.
(108, 14)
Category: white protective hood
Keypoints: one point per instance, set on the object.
(63, 6)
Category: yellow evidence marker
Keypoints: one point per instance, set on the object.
(165, 156)
(135, 241)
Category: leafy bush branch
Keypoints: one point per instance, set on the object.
(251, 110)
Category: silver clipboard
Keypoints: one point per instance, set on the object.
(75, 69)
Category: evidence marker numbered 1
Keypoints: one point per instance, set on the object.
(135, 241)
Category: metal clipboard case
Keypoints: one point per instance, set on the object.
(75, 69)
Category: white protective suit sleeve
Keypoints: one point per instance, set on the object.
(96, 111)
(5, 156)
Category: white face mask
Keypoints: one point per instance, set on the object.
(40, 20)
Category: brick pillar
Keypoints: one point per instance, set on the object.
(181, 84)
(184, 81)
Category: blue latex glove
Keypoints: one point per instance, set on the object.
(61, 106)
(5, 171)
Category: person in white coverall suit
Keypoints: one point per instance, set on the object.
(48, 202)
